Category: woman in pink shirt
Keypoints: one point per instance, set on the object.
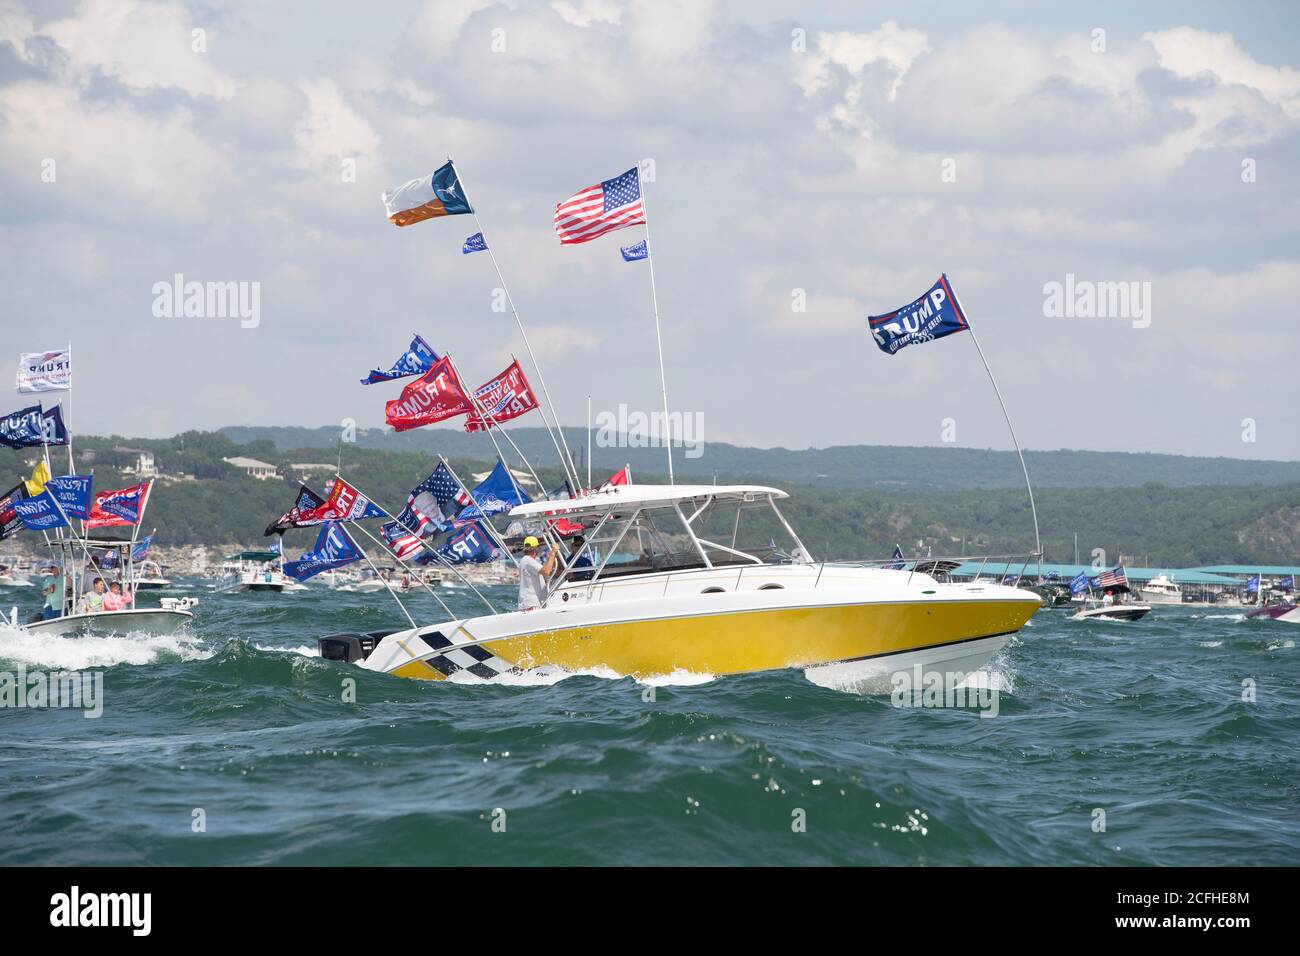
(113, 600)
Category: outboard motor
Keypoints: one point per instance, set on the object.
(350, 648)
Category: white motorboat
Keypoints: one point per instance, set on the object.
(669, 596)
(150, 577)
(1115, 606)
(1161, 590)
(173, 615)
(86, 571)
(252, 570)
(12, 577)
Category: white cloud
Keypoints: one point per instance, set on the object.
(145, 45)
(331, 131)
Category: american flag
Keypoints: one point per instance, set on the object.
(601, 208)
(1113, 578)
(429, 509)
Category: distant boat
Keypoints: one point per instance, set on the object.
(251, 571)
(150, 577)
(1287, 611)
(1118, 610)
(1161, 590)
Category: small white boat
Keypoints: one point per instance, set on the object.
(150, 577)
(11, 577)
(1112, 612)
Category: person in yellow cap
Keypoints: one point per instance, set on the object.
(532, 574)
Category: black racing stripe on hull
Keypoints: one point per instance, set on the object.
(921, 647)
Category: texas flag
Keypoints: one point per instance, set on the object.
(426, 198)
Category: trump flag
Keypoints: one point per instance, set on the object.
(433, 397)
(934, 315)
(505, 397)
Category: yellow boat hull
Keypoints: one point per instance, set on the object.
(739, 642)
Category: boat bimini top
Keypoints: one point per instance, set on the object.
(647, 529)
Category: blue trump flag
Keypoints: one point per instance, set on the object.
(635, 252)
(1079, 583)
(333, 550)
(40, 513)
(72, 493)
(55, 432)
(932, 316)
(1287, 583)
(29, 427)
(22, 429)
(141, 548)
(470, 544)
(495, 493)
(416, 360)
(1251, 586)
(475, 243)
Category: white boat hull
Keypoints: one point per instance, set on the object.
(149, 620)
(1116, 612)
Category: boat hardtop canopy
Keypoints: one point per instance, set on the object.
(621, 497)
(253, 555)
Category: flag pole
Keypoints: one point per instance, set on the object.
(424, 544)
(1033, 509)
(488, 421)
(565, 465)
(67, 424)
(654, 297)
(482, 515)
(365, 554)
(480, 410)
(589, 438)
(451, 615)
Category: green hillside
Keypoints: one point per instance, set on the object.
(1153, 523)
(846, 466)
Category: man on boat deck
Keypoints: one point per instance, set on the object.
(578, 561)
(93, 602)
(532, 575)
(53, 600)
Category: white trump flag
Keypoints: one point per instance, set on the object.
(45, 371)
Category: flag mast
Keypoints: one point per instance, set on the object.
(659, 339)
(1033, 509)
(565, 465)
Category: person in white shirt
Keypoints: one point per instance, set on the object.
(532, 574)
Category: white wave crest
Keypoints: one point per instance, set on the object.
(56, 652)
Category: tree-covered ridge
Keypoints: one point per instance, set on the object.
(1152, 524)
(845, 466)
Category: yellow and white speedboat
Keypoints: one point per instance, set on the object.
(671, 589)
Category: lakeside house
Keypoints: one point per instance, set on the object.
(260, 470)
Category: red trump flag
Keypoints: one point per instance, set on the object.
(433, 397)
(505, 397)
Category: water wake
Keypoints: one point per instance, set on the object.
(80, 652)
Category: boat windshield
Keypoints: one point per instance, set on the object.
(716, 533)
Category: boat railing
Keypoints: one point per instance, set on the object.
(947, 567)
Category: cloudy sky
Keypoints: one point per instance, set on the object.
(841, 155)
